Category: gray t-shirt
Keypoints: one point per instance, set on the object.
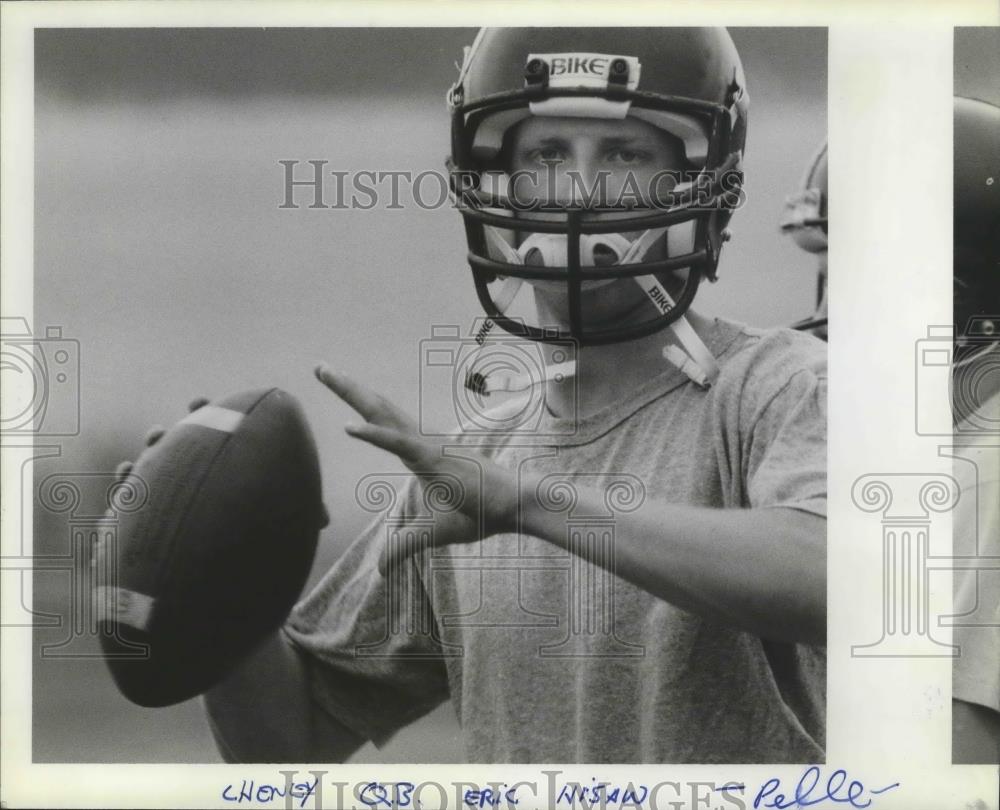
(549, 658)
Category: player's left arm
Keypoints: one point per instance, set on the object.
(760, 569)
(763, 570)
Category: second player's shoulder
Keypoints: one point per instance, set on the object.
(773, 353)
(759, 364)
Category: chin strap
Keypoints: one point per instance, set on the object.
(694, 359)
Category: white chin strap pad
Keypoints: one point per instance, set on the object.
(596, 250)
(680, 239)
(694, 359)
(499, 248)
(551, 249)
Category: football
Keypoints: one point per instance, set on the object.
(217, 532)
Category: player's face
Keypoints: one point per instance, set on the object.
(590, 161)
(565, 156)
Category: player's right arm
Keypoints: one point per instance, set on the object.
(305, 694)
(263, 712)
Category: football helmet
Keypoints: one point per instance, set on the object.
(805, 215)
(686, 82)
(976, 268)
(805, 220)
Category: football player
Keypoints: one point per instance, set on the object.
(805, 219)
(595, 170)
(976, 406)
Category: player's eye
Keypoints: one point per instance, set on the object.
(627, 156)
(547, 154)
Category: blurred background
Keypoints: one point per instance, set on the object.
(161, 247)
(977, 63)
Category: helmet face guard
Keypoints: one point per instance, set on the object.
(504, 234)
(805, 220)
(805, 214)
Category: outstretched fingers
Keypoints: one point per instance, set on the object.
(409, 448)
(373, 407)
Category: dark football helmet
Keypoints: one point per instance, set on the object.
(976, 268)
(805, 216)
(806, 220)
(687, 82)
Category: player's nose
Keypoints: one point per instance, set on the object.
(587, 184)
(580, 182)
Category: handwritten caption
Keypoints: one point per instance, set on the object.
(812, 788)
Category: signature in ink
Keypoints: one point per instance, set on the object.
(807, 791)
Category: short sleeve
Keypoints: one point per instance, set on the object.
(371, 646)
(786, 456)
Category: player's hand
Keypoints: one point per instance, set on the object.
(470, 487)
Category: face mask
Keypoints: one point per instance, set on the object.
(549, 250)
(598, 250)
